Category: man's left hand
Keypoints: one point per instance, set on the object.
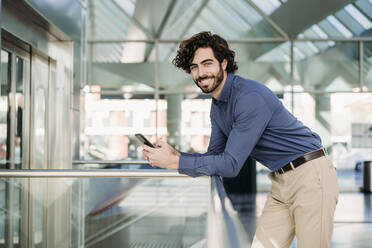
(163, 156)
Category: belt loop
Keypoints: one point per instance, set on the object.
(292, 166)
(325, 151)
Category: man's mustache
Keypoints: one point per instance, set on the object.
(202, 78)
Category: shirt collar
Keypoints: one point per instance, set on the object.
(225, 93)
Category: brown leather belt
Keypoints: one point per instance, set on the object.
(301, 160)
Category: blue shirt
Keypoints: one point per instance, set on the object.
(248, 119)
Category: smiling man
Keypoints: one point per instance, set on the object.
(249, 120)
(208, 74)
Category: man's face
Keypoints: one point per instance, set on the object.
(206, 71)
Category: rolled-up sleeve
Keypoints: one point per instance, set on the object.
(226, 156)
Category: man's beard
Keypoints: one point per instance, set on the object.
(217, 81)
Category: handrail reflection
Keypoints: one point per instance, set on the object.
(225, 229)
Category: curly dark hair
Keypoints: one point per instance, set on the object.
(221, 50)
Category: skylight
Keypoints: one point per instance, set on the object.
(319, 32)
(127, 5)
(312, 47)
(357, 15)
(340, 27)
(298, 53)
(267, 7)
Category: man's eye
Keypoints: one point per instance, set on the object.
(192, 68)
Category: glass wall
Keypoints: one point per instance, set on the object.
(326, 66)
(195, 123)
(110, 125)
(343, 120)
(165, 103)
(268, 63)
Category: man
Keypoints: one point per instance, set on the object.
(248, 119)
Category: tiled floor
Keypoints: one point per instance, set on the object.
(353, 216)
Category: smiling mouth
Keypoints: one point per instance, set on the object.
(205, 81)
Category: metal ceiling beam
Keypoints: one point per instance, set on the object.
(91, 17)
(268, 19)
(165, 19)
(91, 46)
(134, 20)
(190, 23)
(161, 28)
(240, 41)
(220, 18)
(295, 16)
(236, 12)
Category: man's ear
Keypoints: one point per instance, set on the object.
(224, 64)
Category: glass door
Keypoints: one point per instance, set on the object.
(13, 139)
(5, 90)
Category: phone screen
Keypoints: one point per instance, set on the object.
(143, 140)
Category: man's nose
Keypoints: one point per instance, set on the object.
(202, 72)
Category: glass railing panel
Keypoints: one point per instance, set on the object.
(104, 212)
(10, 211)
(166, 212)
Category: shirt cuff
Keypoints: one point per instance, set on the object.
(186, 154)
(186, 165)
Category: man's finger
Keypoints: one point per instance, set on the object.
(161, 143)
(146, 155)
(147, 148)
(156, 144)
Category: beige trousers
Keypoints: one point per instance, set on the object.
(302, 202)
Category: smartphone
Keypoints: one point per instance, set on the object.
(143, 140)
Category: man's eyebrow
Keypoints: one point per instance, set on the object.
(207, 60)
(204, 61)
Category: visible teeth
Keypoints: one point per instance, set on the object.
(205, 79)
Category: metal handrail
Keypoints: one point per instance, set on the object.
(124, 162)
(141, 173)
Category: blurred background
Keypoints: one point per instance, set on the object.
(80, 77)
